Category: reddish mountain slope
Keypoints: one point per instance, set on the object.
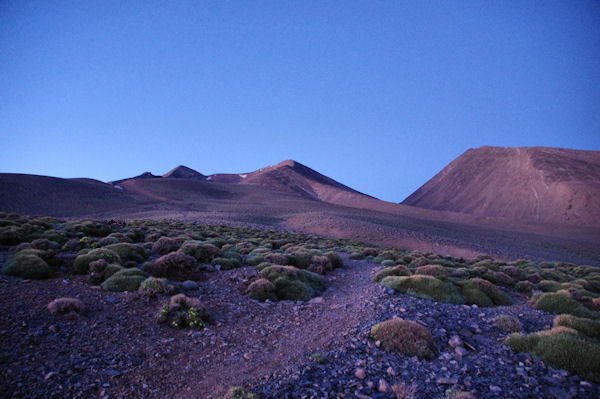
(529, 184)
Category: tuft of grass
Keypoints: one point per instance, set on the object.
(292, 283)
(128, 252)
(481, 292)
(524, 287)
(82, 262)
(239, 393)
(262, 289)
(181, 311)
(164, 245)
(153, 286)
(174, 265)
(561, 302)
(404, 391)
(399, 270)
(335, 259)
(507, 323)
(404, 336)
(66, 305)
(26, 264)
(436, 271)
(319, 358)
(124, 280)
(561, 348)
(588, 327)
(426, 287)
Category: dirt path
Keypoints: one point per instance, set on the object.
(254, 340)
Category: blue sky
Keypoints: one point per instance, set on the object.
(377, 95)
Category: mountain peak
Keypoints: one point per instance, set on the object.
(183, 172)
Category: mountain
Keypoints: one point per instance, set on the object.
(183, 172)
(528, 184)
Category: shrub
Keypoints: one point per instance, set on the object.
(44, 244)
(426, 287)
(319, 358)
(292, 283)
(561, 348)
(255, 260)
(320, 264)
(66, 305)
(100, 270)
(588, 327)
(128, 252)
(524, 287)
(174, 265)
(27, 265)
(560, 302)
(153, 286)
(262, 289)
(89, 228)
(399, 270)
(225, 263)
(483, 293)
(82, 262)
(203, 253)
(549, 286)
(11, 236)
(356, 256)
(124, 280)
(335, 259)
(164, 245)
(404, 336)
(300, 259)
(388, 263)
(433, 270)
(238, 393)
(507, 323)
(277, 258)
(181, 311)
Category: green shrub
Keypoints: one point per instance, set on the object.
(549, 286)
(225, 263)
(399, 270)
(561, 303)
(128, 252)
(335, 259)
(588, 327)
(320, 264)
(426, 287)
(202, 252)
(255, 260)
(100, 270)
(436, 271)
(524, 287)
(292, 283)
(507, 323)
(238, 393)
(89, 228)
(319, 358)
(153, 286)
(300, 259)
(164, 245)
(477, 291)
(277, 258)
(404, 336)
(82, 262)
(388, 263)
(356, 256)
(181, 311)
(561, 348)
(124, 280)
(27, 265)
(262, 289)
(175, 266)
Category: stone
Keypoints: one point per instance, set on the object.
(447, 381)
(461, 351)
(383, 386)
(455, 341)
(360, 373)
(318, 299)
(390, 371)
(189, 285)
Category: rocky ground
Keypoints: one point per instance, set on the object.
(116, 348)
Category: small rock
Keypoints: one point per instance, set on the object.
(383, 386)
(391, 371)
(50, 374)
(495, 388)
(461, 351)
(318, 299)
(360, 373)
(189, 285)
(455, 341)
(447, 381)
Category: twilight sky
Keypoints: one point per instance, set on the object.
(377, 95)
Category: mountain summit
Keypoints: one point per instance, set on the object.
(529, 184)
(183, 172)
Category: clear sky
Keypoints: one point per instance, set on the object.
(377, 95)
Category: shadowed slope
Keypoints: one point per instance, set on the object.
(530, 184)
